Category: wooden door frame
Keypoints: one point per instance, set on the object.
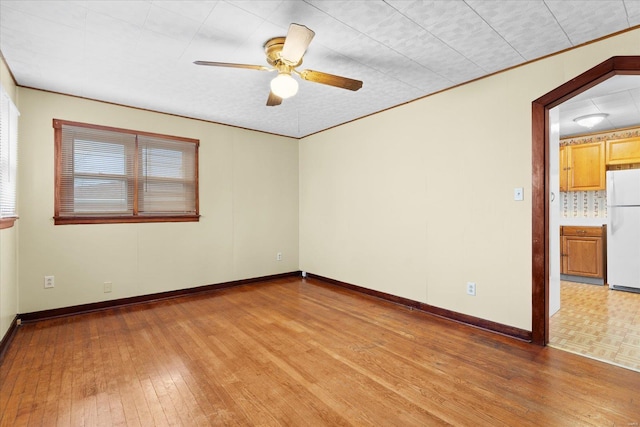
(617, 65)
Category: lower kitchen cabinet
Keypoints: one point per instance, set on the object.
(583, 251)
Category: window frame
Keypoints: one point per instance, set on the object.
(7, 222)
(118, 218)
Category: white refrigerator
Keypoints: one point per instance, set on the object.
(623, 229)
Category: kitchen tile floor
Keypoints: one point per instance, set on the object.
(598, 323)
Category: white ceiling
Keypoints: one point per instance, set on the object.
(140, 53)
(619, 97)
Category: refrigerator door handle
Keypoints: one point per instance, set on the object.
(611, 190)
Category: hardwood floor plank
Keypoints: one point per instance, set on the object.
(296, 352)
(27, 382)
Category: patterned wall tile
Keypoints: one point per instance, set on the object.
(583, 204)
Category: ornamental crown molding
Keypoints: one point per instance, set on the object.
(601, 136)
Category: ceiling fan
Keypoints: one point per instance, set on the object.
(284, 54)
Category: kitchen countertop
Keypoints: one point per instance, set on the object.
(583, 222)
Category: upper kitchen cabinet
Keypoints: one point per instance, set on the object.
(564, 165)
(623, 151)
(582, 167)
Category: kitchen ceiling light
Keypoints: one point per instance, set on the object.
(590, 120)
(284, 86)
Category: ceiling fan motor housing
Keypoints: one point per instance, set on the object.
(272, 49)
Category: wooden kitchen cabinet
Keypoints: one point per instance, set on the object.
(582, 167)
(564, 165)
(583, 251)
(623, 151)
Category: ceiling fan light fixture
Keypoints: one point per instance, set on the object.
(590, 120)
(284, 85)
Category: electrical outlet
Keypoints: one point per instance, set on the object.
(49, 282)
(107, 287)
(279, 256)
(471, 288)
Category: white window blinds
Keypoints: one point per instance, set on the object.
(8, 155)
(106, 172)
(97, 169)
(166, 176)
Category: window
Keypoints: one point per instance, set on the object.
(109, 175)
(8, 159)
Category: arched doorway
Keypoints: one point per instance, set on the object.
(540, 179)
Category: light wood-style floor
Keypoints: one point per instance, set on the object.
(598, 322)
(297, 352)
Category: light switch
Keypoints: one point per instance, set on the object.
(518, 194)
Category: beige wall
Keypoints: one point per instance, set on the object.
(8, 279)
(418, 200)
(248, 203)
(8, 242)
(7, 80)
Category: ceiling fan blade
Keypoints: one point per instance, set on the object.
(273, 100)
(296, 43)
(231, 65)
(330, 79)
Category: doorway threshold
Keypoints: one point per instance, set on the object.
(592, 357)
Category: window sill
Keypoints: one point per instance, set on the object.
(7, 222)
(65, 220)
